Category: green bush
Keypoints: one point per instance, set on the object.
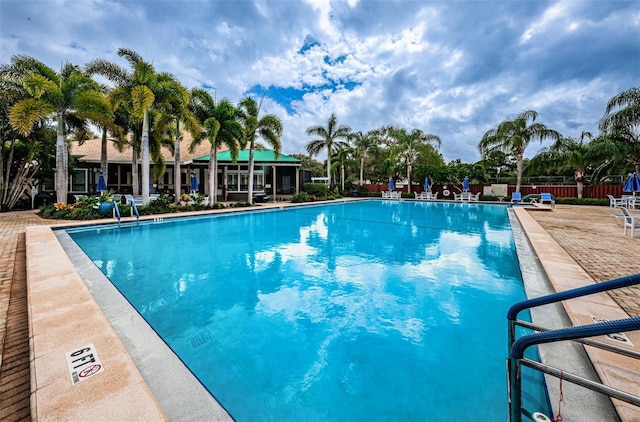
(301, 197)
(315, 189)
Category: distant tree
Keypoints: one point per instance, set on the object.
(622, 122)
(364, 144)
(268, 127)
(220, 126)
(513, 136)
(308, 163)
(329, 137)
(70, 95)
(409, 145)
(567, 152)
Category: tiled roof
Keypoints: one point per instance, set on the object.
(89, 151)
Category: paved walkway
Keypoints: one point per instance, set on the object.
(589, 234)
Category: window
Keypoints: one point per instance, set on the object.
(78, 181)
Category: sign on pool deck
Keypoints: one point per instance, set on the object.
(83, 363)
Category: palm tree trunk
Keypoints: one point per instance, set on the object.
(580, 187)
(409, 176)
(328, 166)
(250, 181)
(342, 174)
(145, 159)
(518, 171)
(213, 175)
(362, 171)
(177, 171)
(103, 155)
(61, 162)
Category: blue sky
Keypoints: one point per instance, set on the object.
(451, 68)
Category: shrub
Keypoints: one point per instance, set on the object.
(301, 197)
(317, 189)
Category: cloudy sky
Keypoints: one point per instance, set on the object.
(451, 68)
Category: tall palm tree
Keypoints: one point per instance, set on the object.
(173, 111)
(622, 119)
(70, 95)
(220, 126)
(513, 136)
(329, 138)
(364, 144)
(268, 127)
(141, 89)
(409, 145)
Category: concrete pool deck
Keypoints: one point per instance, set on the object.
(576, 243)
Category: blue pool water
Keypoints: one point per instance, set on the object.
(361, 311)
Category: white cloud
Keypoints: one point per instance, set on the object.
(450, 70)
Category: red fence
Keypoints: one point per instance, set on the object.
(558, 191)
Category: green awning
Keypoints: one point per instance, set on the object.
(259, 156)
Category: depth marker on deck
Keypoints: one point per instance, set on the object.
(83, 363)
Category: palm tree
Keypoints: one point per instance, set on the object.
(570, 152)
(268, 127)
(175, 109)
(344, 157)
(363, 144)
(622, 120)
(220, 127)
(513, 136)
(410, 145)
(72, 96)
(329, 138)
(141, 89)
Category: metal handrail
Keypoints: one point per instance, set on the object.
(116, 211)
(135, 208)
(580, 333)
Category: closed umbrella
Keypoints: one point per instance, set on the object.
(392, 186)
(194, 183)
(426, 184)
(465, 184)
(102, 185)
(633, 184)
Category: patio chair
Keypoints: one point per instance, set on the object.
(547, 197)
(516, 197)
(474, 198)
(631, 221)
(616, 202)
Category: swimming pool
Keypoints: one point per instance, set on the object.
(375, 310)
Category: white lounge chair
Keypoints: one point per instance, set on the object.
(474, 198)
(631, 221)
(395, 195)
(385, 194)
(617, 202)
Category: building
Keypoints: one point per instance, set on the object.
(273, 176)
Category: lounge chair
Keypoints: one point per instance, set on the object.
(386, 195)
(546, 197)
(474, 198)
(516, 197)
(617, 202)
(395, 195)
(631, 221)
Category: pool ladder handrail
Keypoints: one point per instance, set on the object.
(578, 333)
(116, 212)
(135, 208)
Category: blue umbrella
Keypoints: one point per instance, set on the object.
(102, 185)
(633, 184)
(465, 184)
(426, 184)
(392, 186)
(194, 183)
